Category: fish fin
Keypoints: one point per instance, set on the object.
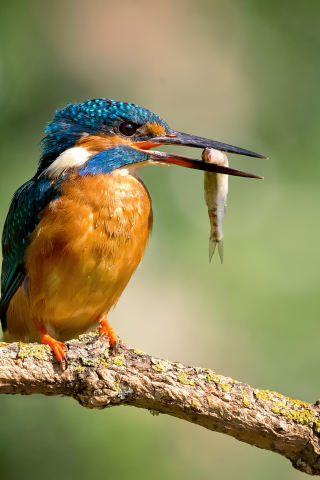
(212, 247)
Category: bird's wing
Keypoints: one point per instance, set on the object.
(23, 217)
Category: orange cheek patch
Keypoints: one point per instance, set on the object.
(97, 143)
(155, 128)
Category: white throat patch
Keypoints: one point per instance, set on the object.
(67, 160)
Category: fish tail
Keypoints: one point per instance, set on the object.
(212, 247)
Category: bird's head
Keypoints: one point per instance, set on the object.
(99, 136)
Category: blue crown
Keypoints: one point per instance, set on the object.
(93, 116)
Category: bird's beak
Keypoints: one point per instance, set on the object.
(177, 138)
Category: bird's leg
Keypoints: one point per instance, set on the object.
(59, 349)
(107, 331)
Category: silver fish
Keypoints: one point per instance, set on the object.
(215, 190)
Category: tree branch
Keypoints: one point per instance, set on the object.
(95, 379)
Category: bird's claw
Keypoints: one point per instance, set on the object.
(113, 344)
(106, 331)
(59, 349)
(115, 347)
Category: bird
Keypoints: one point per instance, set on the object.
(76, 231)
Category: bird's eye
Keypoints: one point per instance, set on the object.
(127, 129)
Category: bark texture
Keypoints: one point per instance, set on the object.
(97, 379)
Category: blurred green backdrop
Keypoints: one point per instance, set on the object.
(245, 73)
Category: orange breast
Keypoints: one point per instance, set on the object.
(83, 253)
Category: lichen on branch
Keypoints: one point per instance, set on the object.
(97, 379)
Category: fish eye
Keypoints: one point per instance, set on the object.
(128, 129)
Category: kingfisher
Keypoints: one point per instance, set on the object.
(77, 231)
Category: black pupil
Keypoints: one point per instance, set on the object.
(126, 128)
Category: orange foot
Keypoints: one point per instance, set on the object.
(106, 331)
(59, 348)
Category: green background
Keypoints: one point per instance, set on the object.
(245, 73)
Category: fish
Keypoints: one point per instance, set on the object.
(216, 191)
